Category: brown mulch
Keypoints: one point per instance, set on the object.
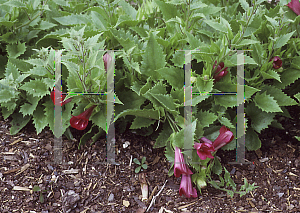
(83, 184)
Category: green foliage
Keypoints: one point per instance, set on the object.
(142, 164)
(150, 91)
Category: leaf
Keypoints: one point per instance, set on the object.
(244, 5)
(15, 50)
(163, 136)
(217, 167)
(72, 19)
(135, 160)
(140, 122)
(226, 100)
(252, 140)
(27, 109)
(281, 98)
(168, 10)
(36, 87)
(288, 77)
(217, 26)
(153, 58)
(266, 103)
(174, 76)
(271, 74)
(259, 120)
(18, 122)
(45, 25)
(137, 169)
(282, 40)
(246, 42)
(206, 118)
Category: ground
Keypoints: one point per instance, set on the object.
(84, 185)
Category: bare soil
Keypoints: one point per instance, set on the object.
(84, 185)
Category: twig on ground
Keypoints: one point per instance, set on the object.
(154, 197)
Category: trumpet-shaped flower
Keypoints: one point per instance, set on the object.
(63, 98)
(180, 167)
(81, 121)
(277, 62)
(225, 137)
(294, 5)
(107, 60)
(186, 187)
(220, 72)
(204, 149)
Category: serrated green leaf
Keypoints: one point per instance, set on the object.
(18, 122)
(226, 122)
(266, 103)
(271, 74)
(72, 19)
(163, 136)
(36, 87)
(140, 122)
(252, 140)
(206, 118)
(226, 100)
(168, 10)
(15, 50)
(153, 58)
(27, 109)
(174, 76)
(282, 40)
(244, 5)
(217, 26)
(259, 120)
(246, 42)
(288, 76)
(281, 98)
(217, 167)
(39, 120)
(165, 100)
(11, 69)
(45, 25)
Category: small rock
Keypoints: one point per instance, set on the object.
(69, 201)
(280, 194)
(111, 197)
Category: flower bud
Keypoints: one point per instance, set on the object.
(277, 62)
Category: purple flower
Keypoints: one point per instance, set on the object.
(294, 5)
(220, 72)
(107, 60)
(186, 187)
(204, 149)
(225, 137)
(277, 62)
(81, 121)
(180, 167)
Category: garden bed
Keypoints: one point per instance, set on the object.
(110, 188)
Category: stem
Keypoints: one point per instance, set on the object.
(30, 20)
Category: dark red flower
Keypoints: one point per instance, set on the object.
(63, 98)
(295, 6)
(220, 72)
(180, 166)
(277, 62)
(107, 60)
(81, 121)
(225, 137)
(186, 187)
(204, 149)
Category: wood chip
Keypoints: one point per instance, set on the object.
(16, 141)
(71, 171)
(20, 188)
(23, 168)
